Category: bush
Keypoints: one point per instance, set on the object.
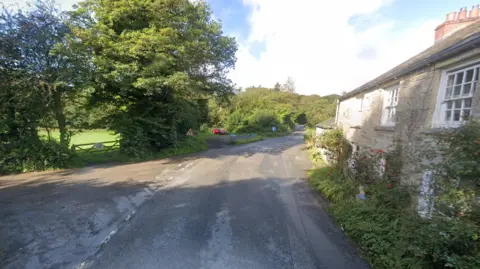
(384, 226)
(260, 121)
(204, 128)
(332, 184)
(394, 237)
(37, 155)
(309, 134)
(338, 146)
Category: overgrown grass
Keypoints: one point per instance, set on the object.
(187, 146)
(83, 137)
(308, 135)
(247, 140)
(389, 233)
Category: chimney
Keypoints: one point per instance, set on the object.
(456, 21)
(475, 12)
(462, 15)
(451, 16)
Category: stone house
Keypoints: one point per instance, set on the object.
(433, 90)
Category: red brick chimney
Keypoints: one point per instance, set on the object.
(456, 21)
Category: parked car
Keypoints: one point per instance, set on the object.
(219, 131)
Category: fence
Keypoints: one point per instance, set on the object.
(98, 147)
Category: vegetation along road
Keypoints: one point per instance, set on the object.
(239, 207)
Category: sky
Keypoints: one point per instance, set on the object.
(325, 46)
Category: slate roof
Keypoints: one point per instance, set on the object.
(460, 41)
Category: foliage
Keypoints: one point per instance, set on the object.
(146, 70)
(384, 226)
(243, 109)
(80, 136)
(309, 135)
(185, 146)
(457, 175)
(28, 77)
(52, 68)
(288, 86)
(156, 62)
(204, 128)
(338, 146)
(36, 155)
(332, 183)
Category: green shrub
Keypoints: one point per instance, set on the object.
(204, 128)
(309, 134)
(385, 226)
(260, 121)
(394, 237)
(332, 184)
(37, 155)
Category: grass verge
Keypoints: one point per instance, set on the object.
(187, 146)
(247, 140)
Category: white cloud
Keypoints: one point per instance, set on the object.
(313, 42)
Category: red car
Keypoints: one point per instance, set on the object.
(218, 131)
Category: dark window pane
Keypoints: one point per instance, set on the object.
(459, 79)
(449, 104)
(469, 75)
(468, 102)
(448, 115)
(448, 94)
(450, 80)
(456, 115)
(456, 91)
(466, 114)
(458, 104)
(476, 73)
(466, 89)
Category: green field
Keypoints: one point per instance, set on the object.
(84, 137)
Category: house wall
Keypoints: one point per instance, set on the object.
(415, 111)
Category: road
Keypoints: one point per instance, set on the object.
(239, 207)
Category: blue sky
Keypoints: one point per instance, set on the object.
(326, 46)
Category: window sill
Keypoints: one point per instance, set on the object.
(356, 127)
(385, 128)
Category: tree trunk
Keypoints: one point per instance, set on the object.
(60, 117)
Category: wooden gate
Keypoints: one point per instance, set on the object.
(98, 147)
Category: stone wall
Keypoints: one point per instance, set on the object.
(360, 116)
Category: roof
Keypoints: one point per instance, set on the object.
(328, 124)
(462, 40)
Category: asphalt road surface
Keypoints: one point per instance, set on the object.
(239, 207)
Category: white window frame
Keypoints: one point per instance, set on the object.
(454, 104)
(390, 104)
(357, 115)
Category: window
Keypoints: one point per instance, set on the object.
(357, 116)
(456, 96)
(390, 102)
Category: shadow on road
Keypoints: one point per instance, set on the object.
(258, 218)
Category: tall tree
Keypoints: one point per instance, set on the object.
(277, 86)
(289, 85)
(154, 60)
(41, 37)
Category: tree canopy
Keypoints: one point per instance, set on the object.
(146, 70)
(286, 108)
